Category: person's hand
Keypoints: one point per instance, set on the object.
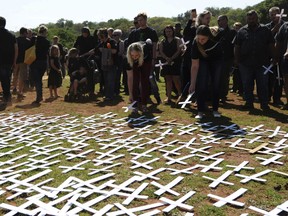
(285, 55)
(191, 88)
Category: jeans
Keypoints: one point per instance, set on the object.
(248, 74)
(208, 71)
(109, 82)
(38, 69)
(5, 78)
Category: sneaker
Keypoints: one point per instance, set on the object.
(216, 114)
(285, 107)
(199, 115)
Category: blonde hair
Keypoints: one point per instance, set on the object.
(53, 47)
(137, 47)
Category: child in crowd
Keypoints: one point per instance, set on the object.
(55, 74)
(72, 62)
(78, 79)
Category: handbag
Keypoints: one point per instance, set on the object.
(30, 55)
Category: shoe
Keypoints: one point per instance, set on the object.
(199, 115)
(265, 107)
(285, 107)
(167, 101)
(216, 114)
(178, 99)
(20, 96)
(278, 103)
(248, 106)
(135, 110)
(158, 99)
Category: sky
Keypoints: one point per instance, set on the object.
(31, 13)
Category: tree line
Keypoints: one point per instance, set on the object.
(67, 30)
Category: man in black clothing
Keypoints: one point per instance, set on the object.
(254, 46)
(226, 38)
(8, 57)
(275, 86)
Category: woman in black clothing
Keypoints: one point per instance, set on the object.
(206, 65)
(39, 66)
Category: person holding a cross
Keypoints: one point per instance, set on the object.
(282, 53)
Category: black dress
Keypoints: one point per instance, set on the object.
(54, 77)
(169, 49)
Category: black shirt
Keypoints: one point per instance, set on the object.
(42, 47)
(212, 49)
(254, 45)
(226, 37)
(85, 44)
(23, 44)
(7, 44)
(282, 37)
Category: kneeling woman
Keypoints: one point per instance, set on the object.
(138, 70)
(206, 67)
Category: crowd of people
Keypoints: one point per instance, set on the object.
(198, 60)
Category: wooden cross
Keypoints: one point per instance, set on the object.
(184, 44)
(143, 164)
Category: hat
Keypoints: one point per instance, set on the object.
(85, 29)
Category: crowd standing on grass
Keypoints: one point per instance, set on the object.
(198, 60)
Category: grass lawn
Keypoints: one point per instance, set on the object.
(169, 140)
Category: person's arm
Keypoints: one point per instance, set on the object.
(53, 66)
(194, 73)
(179, 50)
(236, 55)
(162, 54)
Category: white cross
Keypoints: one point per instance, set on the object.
(105, 169)
(107, 161)
(188, 131)
(75, 167)
(275, 132)
(279, 78)
(271, 160)
(211, 166)
(220, 179)
(230, 199)
(167, 188)
(143, 164)
(210, 157)
(267, 69)
(187, 101)
(184, 44)
(144, 154)
(185, 171)
(135, 193)
(150, 175)
(130, 107)
(241, 166)
(253, 177)
(136, 209)
(178, 160)
(79, 155)
(281, 15)
(160, 64)
(179, 203)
